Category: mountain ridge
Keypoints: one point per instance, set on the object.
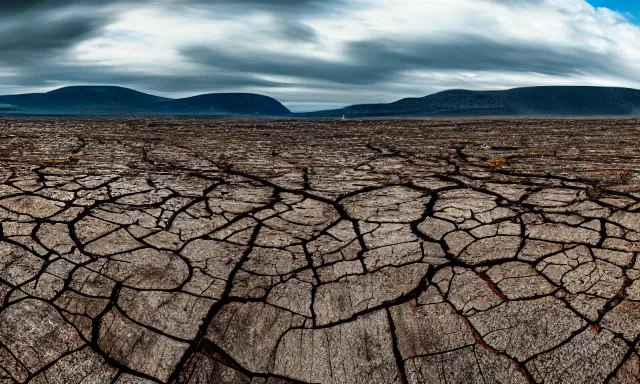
(525, 101)
(541, 100)
(114, 100)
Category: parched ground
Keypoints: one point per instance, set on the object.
(240, 251)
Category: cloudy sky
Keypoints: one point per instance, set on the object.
(314, 54)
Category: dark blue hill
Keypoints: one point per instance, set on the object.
(109, 100)
(532, 101)
(541, 101)
(228, 103)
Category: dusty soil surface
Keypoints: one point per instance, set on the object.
(239, 251)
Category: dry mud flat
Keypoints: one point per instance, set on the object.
(238, 251)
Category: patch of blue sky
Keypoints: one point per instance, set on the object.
(629, 8)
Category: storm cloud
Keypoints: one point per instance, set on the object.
(312, 54)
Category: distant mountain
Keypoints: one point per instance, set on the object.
(83, 100)
(109, 100)
(233, 103)
(534, 101)
(549, 101)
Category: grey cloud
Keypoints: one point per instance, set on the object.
(468, 52)
(36, 30)
(369, 61)
(12, 7)
(272, 4)
(520, 2)
(44, 35)
(286, 65)
(295, 31)
(40, 74)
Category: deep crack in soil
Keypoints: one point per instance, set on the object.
(264, 251)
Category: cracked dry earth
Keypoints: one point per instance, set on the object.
(238, 251)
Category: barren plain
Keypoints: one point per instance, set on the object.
(290, 251)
